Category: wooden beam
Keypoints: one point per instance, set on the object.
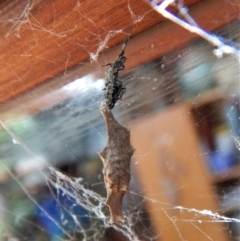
(146, 46)
(41, 39)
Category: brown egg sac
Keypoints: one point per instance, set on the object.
(116, 157)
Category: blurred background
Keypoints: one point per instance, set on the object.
(181, 105)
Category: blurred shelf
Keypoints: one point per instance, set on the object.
(233, 173)
(207, 97)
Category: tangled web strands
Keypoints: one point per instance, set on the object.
(75, 188)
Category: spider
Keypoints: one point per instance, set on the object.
(114, 88)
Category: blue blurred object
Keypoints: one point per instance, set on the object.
(49, 205)
(223, 158)
(221, 162)
(51, 212)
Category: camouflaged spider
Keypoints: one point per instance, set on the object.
(114, 88)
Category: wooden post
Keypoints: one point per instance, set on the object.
(172, 174)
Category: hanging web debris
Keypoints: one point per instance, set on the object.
(114, 88)
(116, 156)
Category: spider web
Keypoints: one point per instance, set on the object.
(51, 182)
